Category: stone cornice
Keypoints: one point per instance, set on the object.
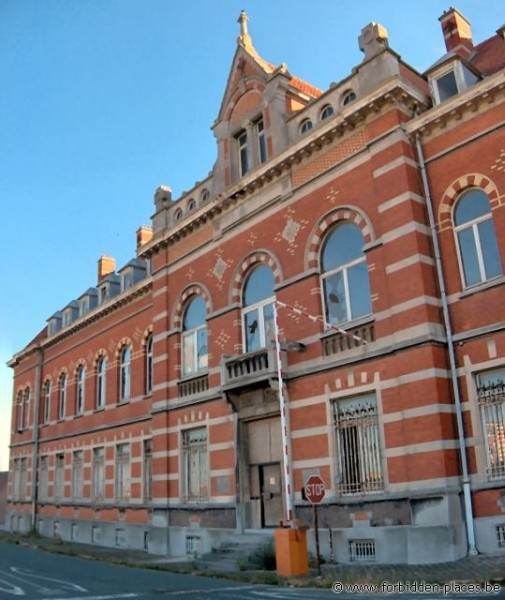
(394, 92)
(122, 299)
(486, 92)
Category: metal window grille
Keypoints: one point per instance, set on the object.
(491, 397)
(194, 451)
(192, 545)
(358, 445)
(500, 534)
(362, 550)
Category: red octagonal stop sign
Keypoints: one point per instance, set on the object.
(314, 489)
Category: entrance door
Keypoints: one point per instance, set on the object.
(271, 494)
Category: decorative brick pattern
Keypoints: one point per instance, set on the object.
(247, 264)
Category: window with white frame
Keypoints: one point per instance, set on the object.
(148, 470)
(194, 464)
(98, 473)
(26, 407)
(243, 153)
(19, 411)
(258, 308)
(101, 382)
(79, 389)
(478, 248)
(59, 476)
(77, 474)
(358, 445)
(62, 396)
(125, 373)
(46, 409)
(491, 397)
(345, 282)
(149, 365)
(261, 140)
(451, 80)
(122, 472)
(194, 337)
(43, 477)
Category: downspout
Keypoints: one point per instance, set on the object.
(35, 438)
(467, 495)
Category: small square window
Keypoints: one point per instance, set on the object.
(447, 86)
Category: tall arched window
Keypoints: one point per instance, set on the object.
(46, 410)
(149, 365)
(19, 411)
(125, 373)
(101, 381)
(258, 311)
(26, 407)
(79, 389)
(477, 245)
(346, 287)
(194, 337)
(62, 396)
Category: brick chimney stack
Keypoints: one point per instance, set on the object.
(106, 266)
(144, 235)
(457, 32)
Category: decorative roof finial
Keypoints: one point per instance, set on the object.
(244, 38)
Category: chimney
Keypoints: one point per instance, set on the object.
(457, 32)
(144, 235)
(106, 266)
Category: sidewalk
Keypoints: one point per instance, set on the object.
(477, 569)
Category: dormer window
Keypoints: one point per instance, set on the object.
(451, 81)
(103, 294)
(127, 280)
(305, 126)
(83, 307)
(348, 97)
(326, 112)
(242, 153)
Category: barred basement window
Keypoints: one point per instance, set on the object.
(491, 397)
(362, 550)
(192, 545)
(358, 445)
(500, 534)
(194, 463)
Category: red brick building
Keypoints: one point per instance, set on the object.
(369, 217)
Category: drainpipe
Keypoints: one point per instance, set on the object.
(467, 495)
(35, 438)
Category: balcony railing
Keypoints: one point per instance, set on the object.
(245, 369)
(193, 386)
(339, 342)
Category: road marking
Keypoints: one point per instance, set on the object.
(187, 592)
(106, 597)
(63, 585)
(11, 589)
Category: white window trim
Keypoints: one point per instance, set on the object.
(101, 383)
(259, 306)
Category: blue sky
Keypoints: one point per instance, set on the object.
(103, 100)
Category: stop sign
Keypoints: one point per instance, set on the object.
(314, 489)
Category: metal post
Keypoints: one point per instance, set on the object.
(286, 446)
(316, 532)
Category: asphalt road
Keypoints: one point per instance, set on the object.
(29, 574)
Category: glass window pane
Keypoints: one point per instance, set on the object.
(188, 353)
(252, 331)
(195, 314)
(447, 86)
(268, 323)
(259, 285)
(343, 245)
(469, 256)
(473, 204)
(201, 344)
(359, 290)
(489, 246)
(334, 296)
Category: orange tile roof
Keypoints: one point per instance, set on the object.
(489, 55)
(305, 87)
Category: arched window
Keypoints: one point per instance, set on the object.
(46, 410)
(79, 390)
(19, 411)
(26, 407)
(305, 126)
(348, 96)
(191, 205)
(194, 337)
(477, 245)
(125, 374)
(101, 382)
(258, 308)
(346, 287)
(149, 365)
(205, 196)
(178, 214)
(326, 112)
(62, 396)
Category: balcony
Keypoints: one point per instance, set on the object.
(339, 342)
(248, 370)
(193, 386)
